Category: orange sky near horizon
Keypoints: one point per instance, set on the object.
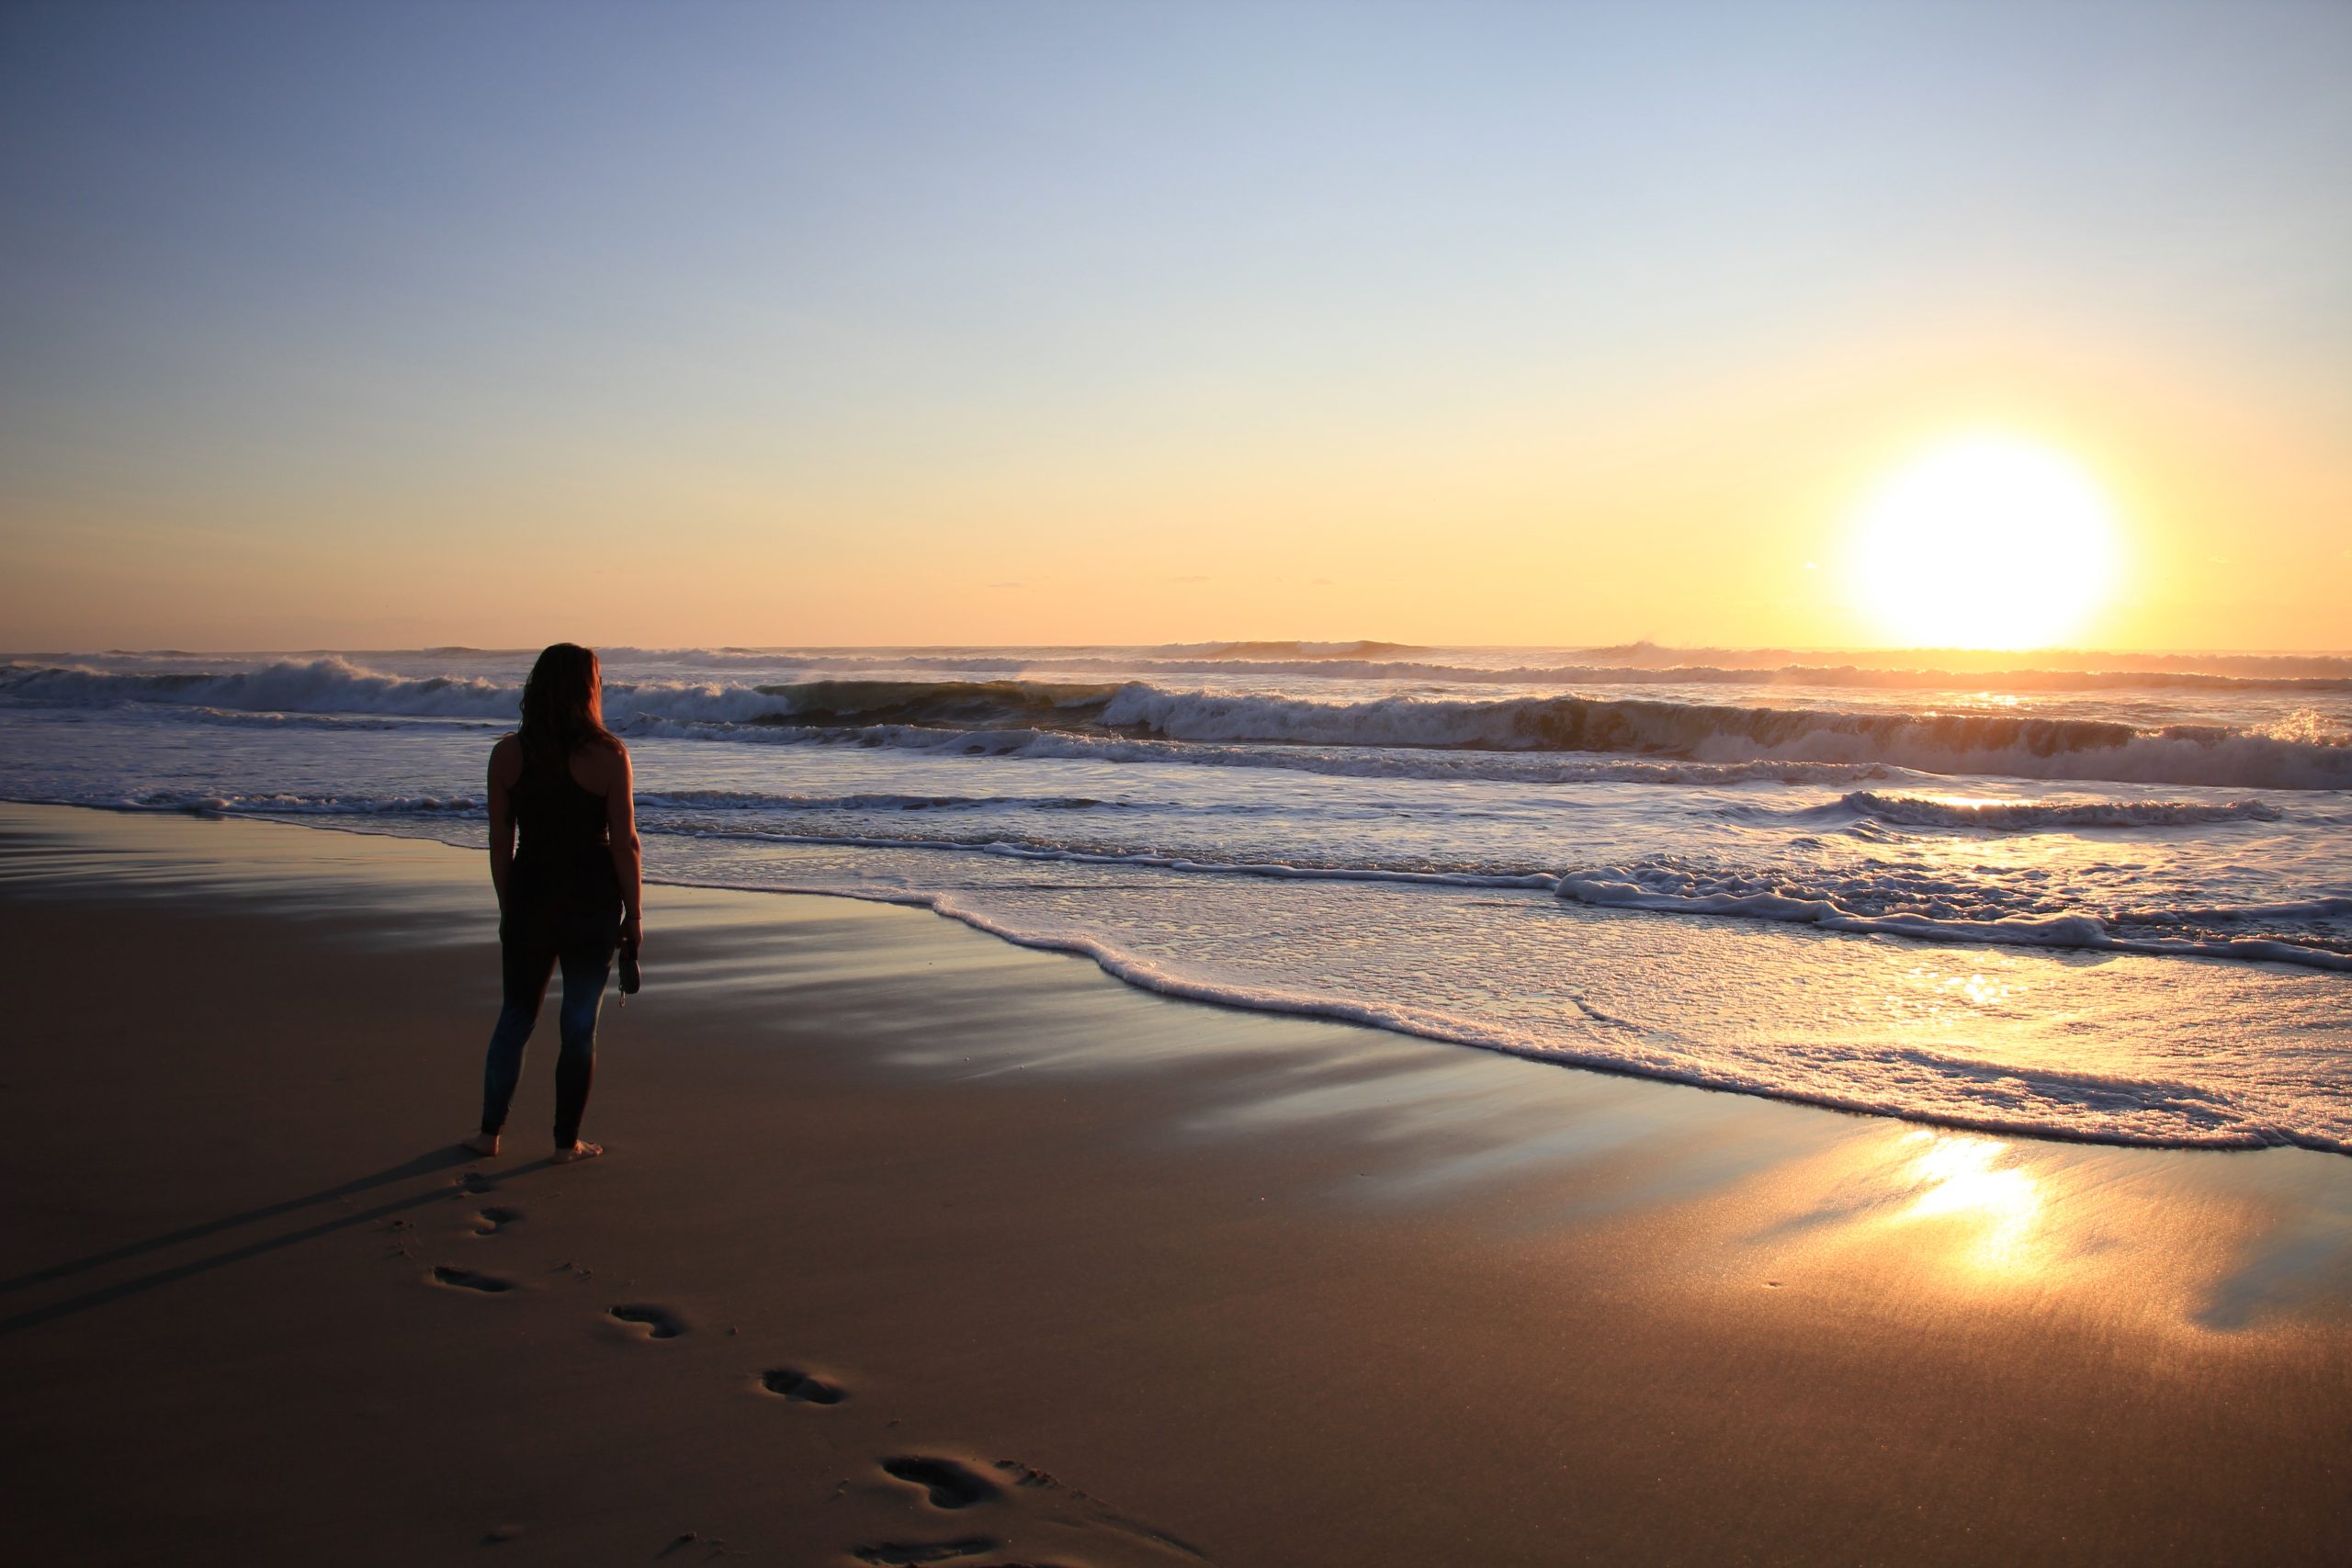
(1723, 521)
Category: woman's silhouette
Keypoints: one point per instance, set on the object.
(568, 893)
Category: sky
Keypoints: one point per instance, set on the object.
(370, 326)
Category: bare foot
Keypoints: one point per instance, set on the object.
(582, 1149)
(482, 1143)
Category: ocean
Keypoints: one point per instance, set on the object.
(2100, 896)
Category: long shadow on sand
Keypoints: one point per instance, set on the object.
(423, 1165)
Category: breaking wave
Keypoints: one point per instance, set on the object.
(2318, 756)
(2311, 751)
(1998, 744)
(329, 685)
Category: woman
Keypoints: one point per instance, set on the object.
(569, 894)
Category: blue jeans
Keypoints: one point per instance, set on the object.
(527, 958)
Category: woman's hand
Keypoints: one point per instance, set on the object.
(633, 931)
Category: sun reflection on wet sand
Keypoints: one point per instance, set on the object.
(1964, 1178)
(1944, 1212)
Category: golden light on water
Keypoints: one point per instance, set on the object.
(1984, 541)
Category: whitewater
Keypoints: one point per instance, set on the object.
(2101, 897)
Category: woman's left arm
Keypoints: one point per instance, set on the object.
(629, 856)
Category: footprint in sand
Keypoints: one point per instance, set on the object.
(951, 1485)
(658, 1322)
(897, 1555)
(789, 1383)
(467, 1279)
(1038, 1511)
(490, 1222)
(1052, 1521)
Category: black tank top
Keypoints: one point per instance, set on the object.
(563, 859)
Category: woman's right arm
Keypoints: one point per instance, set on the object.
(505, 767)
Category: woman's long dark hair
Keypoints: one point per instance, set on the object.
(562, 703)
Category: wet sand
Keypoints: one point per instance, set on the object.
(916, 1247)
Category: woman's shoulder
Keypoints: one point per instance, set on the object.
(601, 761)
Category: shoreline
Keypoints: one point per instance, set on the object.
(1279, 1289)
(1412, 1023)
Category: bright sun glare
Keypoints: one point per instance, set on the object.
(1984, 541)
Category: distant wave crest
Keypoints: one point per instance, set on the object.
(2310, 751)
(327, 685)
(2311, 755)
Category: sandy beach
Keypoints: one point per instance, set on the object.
(916, 1247)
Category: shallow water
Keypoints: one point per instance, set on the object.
(2111, 900)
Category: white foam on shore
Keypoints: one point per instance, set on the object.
(1656, 1024)
(1943, 906)
(2089, 931)
(1944, 1089)
(2036, 816)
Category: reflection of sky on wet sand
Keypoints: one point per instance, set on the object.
(1739, 1190)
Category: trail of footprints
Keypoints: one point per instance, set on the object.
(1014, 1498)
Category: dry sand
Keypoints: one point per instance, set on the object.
(1074, 1274)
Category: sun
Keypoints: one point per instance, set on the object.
(1984, 540)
